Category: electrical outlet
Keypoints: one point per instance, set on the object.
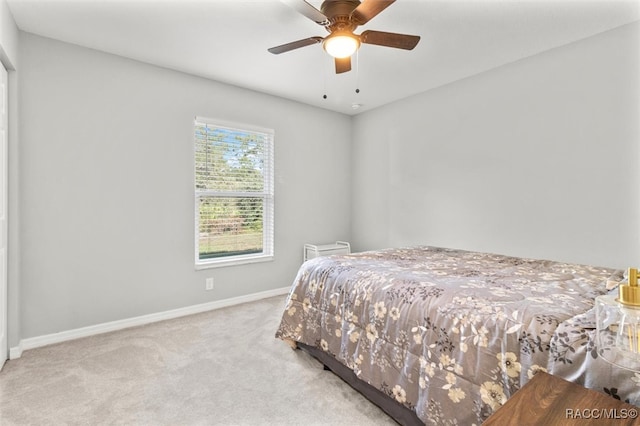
(208, 284)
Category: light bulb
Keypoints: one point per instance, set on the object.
(341, 45)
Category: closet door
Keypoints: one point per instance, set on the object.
(4, 348)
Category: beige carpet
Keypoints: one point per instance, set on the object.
(221, 367)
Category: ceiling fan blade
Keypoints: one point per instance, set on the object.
(368, 9)
(343, 65)
(295, 45)
(399, 41)
(308, 10)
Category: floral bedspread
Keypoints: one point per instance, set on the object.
(452, 334)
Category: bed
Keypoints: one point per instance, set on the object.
(444, 336)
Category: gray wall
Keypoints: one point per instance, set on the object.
(107, 186)
(536, 158)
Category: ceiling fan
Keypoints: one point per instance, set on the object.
(341, 18)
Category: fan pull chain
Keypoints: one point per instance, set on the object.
(357, 71)
(324, 77)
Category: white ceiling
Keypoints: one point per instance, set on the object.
(227, 40)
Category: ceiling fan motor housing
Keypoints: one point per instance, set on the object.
(339, 14)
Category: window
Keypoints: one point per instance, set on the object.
(233, 193)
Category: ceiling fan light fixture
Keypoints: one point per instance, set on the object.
(341, 45)
(341, 18)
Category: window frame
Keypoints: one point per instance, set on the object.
(267, 196)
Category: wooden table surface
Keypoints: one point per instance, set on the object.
(550, 400)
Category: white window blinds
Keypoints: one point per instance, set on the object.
(233, 192)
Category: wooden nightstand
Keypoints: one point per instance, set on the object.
(550, 400)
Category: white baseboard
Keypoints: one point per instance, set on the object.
(49, 339)
(16, 351)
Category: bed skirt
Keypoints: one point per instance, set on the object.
(396, 411)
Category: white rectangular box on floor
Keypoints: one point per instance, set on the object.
(314, 250)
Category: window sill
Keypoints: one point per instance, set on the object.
(220, 263)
